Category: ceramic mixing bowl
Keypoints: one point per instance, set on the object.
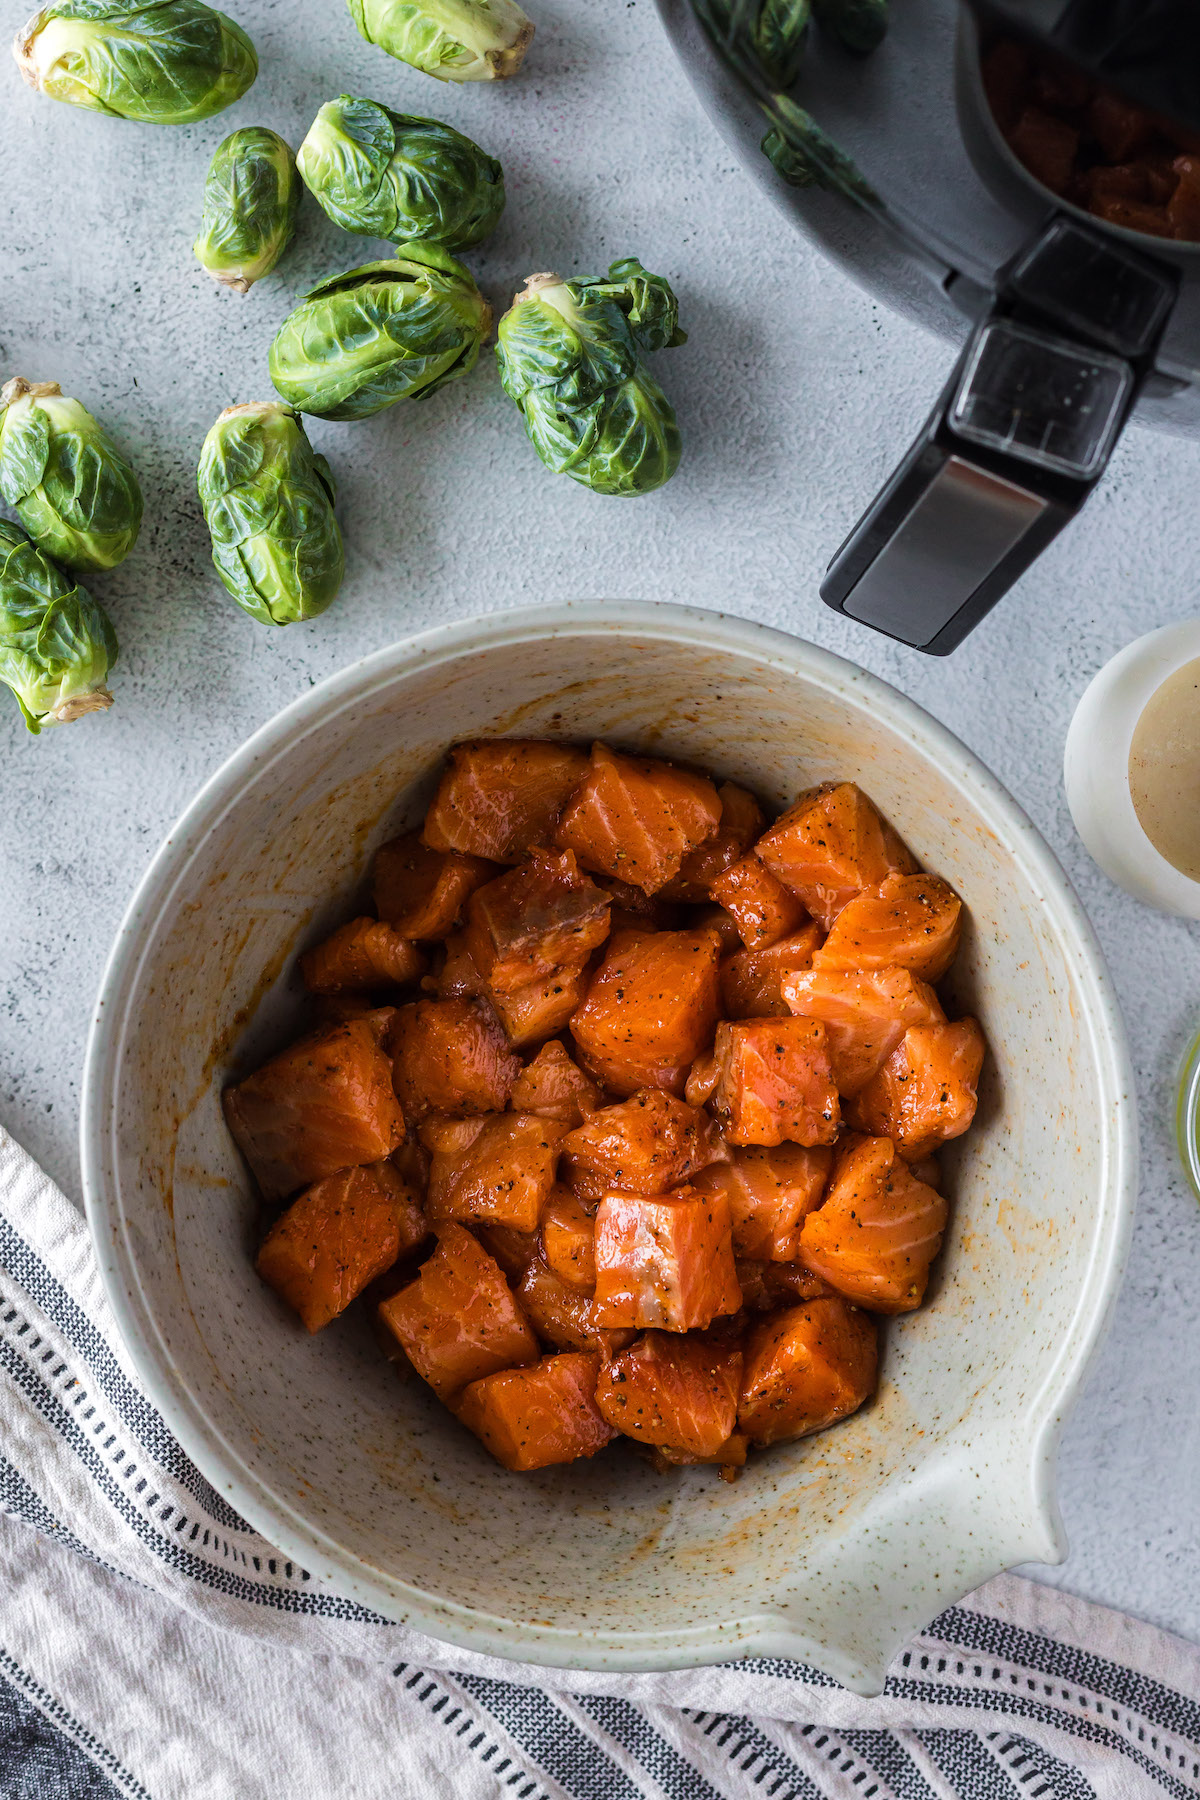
(830, 1550)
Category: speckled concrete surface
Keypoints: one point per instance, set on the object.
(795, 394)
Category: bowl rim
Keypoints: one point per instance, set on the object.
(762, 1633)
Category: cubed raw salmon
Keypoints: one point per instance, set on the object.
(544, 1006)
(531, 921)
(831, 845)
(729, 1457)
(340, 1235)
(324, 1104)
(761, 907)
(564, 1316)
(664, 1261)
(362, 955)
(513, 1250)
(499, 797)
(531, 1418)
(459, 1320)
(741, 821)
(645, 1145)
(775, 1082)
(650, 1010)
(806, 1368)
(451, 1056)
(678, 1392)
(879, 1229)
(702, 1079)
(555, 1087)
(631, 910)
(637, 818)
(864, 1015)
(421, 892)
(766, 1286)
(771, 1191)
(502, 1176)
(569, 1240)
(457, 978)
(913, 922)
(752, 980)
(926, 1092)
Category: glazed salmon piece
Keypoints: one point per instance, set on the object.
(729, 1456)
(766, 1286)
(569, 1240)
(533, 1013)
(878, 1231)
(865, 1015)
(702, 1079)
(771, 1190)
(761, 907)
(752, 980)
(531, 1418)
(563, 1316)
(451, 1056)
(645, 1145)
(677, 1392)
(513, 1250)
(457, 978)
(343, 1233)
(805, 1369)
(927, 1090)
(830, 846)
(324, 1104)
(636, 819)
(775, 1083)
(741, 822)
(633, 910)
(914, 922)
(498, 797)
(362, 955)
(531, 921)
(664, 1260)
(458, 1320)
(499, 1174)
(650, 1010)
(555, 1087)
(421, 892)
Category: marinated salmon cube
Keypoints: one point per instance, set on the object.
(555, 1087)
(702, 1079)
(637, 819)
(865, 1015)
(766, 1286)
(1121, 127)
(1047, 146)
(926, 1092)
(721, 923)
(569, 1240)
(775, 1082)
(630, 909)
(457, 978)
(502, 1176)
(459, 1320)
(529, 922)
(729, 1456)
(650, 1010)
(741, 822)
(771, 1191)
(664, 1261)
(513, 1250)
(563, 1316)
(878, 1231)
(762, 908)
(544, 1006)
(421, 892)
(830, 846)
(677, 1392)
(323, 1105)
(362, 955)
(499, 797)
(531, 1418)
(913, 922)
(752, 980)
(451, 1056)
(340, 1235)
(806, 1368)
(645, 1145)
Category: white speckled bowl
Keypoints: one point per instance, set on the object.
(830, 1550)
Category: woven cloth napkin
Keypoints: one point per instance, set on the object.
(152, 1645)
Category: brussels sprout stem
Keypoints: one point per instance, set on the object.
(20, 389)
(77, 706)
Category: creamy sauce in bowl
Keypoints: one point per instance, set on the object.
(1164, 769)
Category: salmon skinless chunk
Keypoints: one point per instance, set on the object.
(762, 908)
(362, 955)
(805, 1369)
(775, 1082)
(645, 1145)
(878, 1231)
(926, 1092)
(665, 1260)
(451, 1056)
(421, 892)
(532, 1418)
(865, 1015)
(554, 1086)
(340, 1235)
(637, 819)
(459, 1320)
(676, 1392)
(766, 1286)
(513, 1250)
(730, 1457)
(533, 920)
(913, 922)
(771, 1191)
(324, 1104)
(752, 980)
(569, 1240)
(499, 797)
(501, 1176)
(563, 1316)
(831, 846)
(650, 1010)
(741, 822)
(458, 978)
(544, 1006)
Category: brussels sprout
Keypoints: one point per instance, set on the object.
(455, 40)
(57, 644)
(251, 198)
(806, 156)
(164, 62)
(860, 24)
(767, 33)
(391, 175)
(70, 486)
(389, 330)
(268, 501)
(570, 355)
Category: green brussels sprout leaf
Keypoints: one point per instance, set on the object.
(453, 40)
(71, 488)
(57, 644)
(251, 198)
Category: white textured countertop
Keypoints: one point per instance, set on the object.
(795, 395)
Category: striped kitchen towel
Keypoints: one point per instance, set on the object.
(153, 1646)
